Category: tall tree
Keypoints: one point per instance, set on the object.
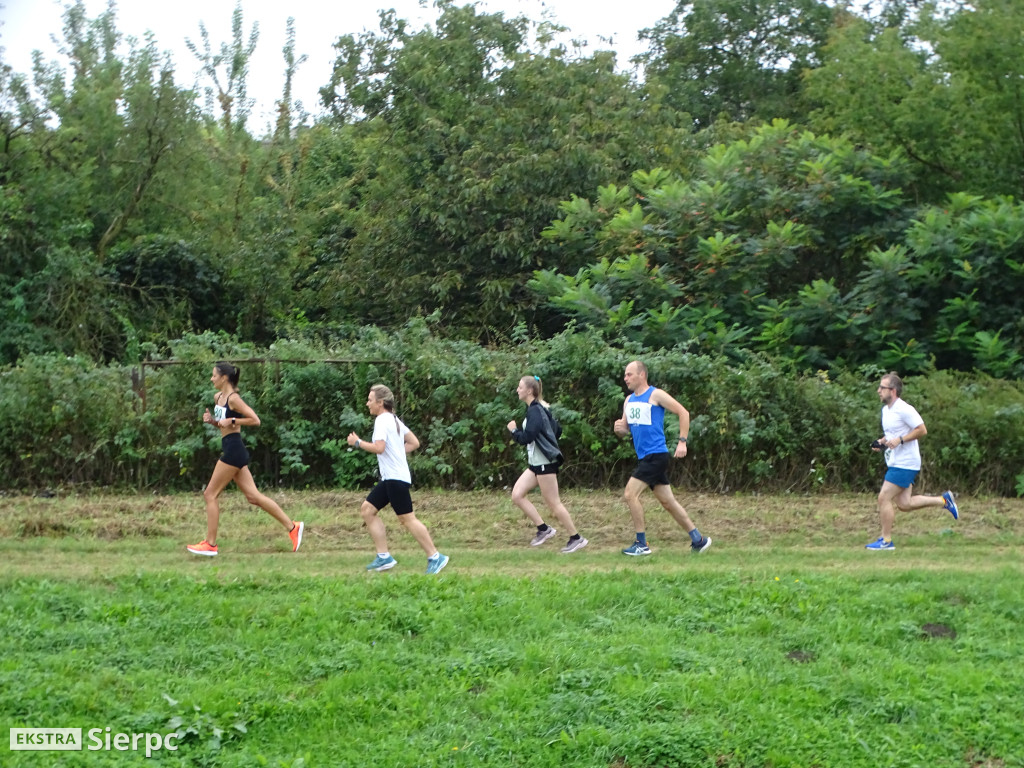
(736, 60)
(104, 156)
(943, 87)
(467, 140)
(21, 118)
(285, 107)
(229, 89)
(251, 217)
(767, 235)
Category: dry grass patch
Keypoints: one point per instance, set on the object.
(485, 533)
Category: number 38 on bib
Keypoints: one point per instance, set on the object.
(638, 413)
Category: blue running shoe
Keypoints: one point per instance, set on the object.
(382, 563)
(636, 549)
(701, 545)
(880, 544)
(437, 564)
(951, 506)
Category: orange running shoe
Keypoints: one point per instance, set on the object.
(202, 548)
(295, 534)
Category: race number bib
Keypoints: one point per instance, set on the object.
(220, 412)
(638, 413)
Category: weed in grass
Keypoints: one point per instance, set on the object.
(191, 726)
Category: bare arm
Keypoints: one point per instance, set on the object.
(621, 427)
(915, 434)
(356, 442)
(670, 404)
(411, 442)
(249, 417)
(233, 424)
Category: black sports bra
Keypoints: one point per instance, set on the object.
(221, 412)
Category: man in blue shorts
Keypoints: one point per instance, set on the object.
(902, 426)
(643, 417)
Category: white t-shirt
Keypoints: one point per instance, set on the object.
(900, 419)
(393, 463)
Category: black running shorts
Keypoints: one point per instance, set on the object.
(233, 450)
(653, 469)
(393, 492)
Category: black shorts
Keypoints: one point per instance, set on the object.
(232, 450)
(546, 469)
(393, 492)
(653, 469)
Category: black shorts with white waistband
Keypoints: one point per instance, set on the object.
(545, 469)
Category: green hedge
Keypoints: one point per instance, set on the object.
(756, 426)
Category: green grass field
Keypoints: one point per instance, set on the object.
(786, 644)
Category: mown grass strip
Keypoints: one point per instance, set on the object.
(626, 667)
(785, 645)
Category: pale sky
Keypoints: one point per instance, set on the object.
(27, 25)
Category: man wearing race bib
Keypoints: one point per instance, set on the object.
(643, 417)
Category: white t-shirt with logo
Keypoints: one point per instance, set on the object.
(393, 463)
(899, 420)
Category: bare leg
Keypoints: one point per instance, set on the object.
(375, 526)
(632, 496)
(549, 492)
(892, 496)
(663, 493)
(886, 506)
(906, 501)
(222, 475)
(248, 487)
(526, 483)
(419, 532)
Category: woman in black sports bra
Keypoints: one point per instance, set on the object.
(230, 412)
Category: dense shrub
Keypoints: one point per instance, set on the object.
(66, 420)
(755, 425)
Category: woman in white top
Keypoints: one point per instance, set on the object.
(391, 441)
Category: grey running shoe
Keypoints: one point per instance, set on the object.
(542, 536)
(574, 544)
